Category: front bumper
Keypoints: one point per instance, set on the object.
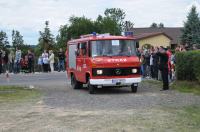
(115, 81)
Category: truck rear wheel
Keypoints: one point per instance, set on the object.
(75, 84)
(91, 88)
(134, 88)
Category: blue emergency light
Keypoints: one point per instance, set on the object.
(128, 34)
(94, 34)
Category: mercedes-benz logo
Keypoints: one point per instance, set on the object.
(118, 71)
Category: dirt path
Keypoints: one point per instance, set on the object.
(63, 109)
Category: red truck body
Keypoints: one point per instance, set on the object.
(103, 60)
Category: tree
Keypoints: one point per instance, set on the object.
(62, 37)
(127, 25)
(112, 22)
(46, 39)
(161, 25)
(107, 25)
(117, 15)
(3, 40)
(79, 26)
(17, 39)
(154, 25)
(191, 30)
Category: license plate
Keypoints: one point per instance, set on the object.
(118, 81)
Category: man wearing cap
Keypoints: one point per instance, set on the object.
(163, 66)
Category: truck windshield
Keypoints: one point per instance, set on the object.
(113, 48)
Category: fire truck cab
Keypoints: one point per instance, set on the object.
(103, 60)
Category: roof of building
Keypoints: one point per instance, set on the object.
(148, 35)
(172, 32)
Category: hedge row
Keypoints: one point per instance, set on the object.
(188, 65)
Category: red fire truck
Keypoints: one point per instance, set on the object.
(103, 60)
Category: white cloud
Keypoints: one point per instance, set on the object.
(29, 16)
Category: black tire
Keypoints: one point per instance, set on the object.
(91, 88)
(75, 84)
(134, 88)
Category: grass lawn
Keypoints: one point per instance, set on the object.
(15, 93)
(187, 87)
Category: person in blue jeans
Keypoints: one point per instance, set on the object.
(61, 60)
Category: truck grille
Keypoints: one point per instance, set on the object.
(115, 71)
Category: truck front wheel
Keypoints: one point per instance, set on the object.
(75, 84)
(91, 88)
(134, 88)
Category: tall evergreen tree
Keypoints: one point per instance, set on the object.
(17, 39)
(3, 39)
(191, 30)
(46, 39)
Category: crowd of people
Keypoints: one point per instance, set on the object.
(159, 63)
(156, 62)
(17, 62)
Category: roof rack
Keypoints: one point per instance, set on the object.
(94, 34)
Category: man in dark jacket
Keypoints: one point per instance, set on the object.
(163, 66)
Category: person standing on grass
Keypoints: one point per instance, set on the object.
(163, 66)
(61, 58)
(45, 60)
(51, 60)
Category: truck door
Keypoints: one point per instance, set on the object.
(81, 61)
(84, 54)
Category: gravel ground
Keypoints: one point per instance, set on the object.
(64, 109)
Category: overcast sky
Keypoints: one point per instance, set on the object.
(28, 16)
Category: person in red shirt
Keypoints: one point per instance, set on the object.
(169, 54)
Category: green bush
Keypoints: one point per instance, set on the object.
(188, 65)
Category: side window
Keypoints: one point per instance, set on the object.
(83, 47)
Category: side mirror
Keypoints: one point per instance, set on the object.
(137, 44)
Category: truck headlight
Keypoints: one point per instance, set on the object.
(134, 70)
(99, 72)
